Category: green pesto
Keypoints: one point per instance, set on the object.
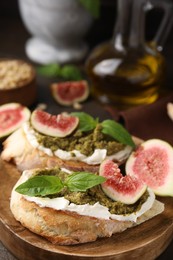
(85, 142)
(94, 195)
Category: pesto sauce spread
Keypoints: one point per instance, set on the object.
(85, 142)
(94, 195)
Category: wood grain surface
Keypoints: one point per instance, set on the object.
(146, 241)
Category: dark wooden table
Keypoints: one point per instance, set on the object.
(13, 36)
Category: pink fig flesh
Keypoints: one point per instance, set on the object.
(126, 189)
(53, 125)
(12, 116)
(152, 163)
(70, 92)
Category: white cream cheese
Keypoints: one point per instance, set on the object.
(30, 135)
(96, 210)
(96, 158)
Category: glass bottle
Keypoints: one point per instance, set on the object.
(128, 71)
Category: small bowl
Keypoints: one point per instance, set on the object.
(17, 82)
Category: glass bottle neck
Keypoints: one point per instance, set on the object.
(122, 25)
(129, 27)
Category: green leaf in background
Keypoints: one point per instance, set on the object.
(40, 186)
(117, 131)
(67, 72)
(81, 181)
(50, 70)
(71, 72)
(93, 6)
(86, 122)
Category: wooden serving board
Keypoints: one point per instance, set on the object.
(146, 241)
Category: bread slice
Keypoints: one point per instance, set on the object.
(66, 227)
(24, 155)
(18, 150)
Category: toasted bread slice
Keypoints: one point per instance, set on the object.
(66, 227)
(18, 149)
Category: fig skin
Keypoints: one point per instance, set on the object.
(12, 116)
(71, 91)
(125, 189)
(152, 163)
(59, 125)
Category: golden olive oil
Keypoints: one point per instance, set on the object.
(126, 78)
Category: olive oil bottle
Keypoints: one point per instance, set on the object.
(128, 71)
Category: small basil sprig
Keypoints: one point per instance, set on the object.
(67, 72)
(45, 185)
(117, 131)
(86, 122)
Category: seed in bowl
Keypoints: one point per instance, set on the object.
(17, 82)
(14, 73)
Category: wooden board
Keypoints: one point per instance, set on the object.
(147, 241)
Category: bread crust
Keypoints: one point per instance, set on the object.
(63, 227)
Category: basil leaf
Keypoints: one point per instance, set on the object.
(93, 6)
(50, 70)
(46, 185)
(40, 186)
(71, 72)
(117, 131)
(81, 181)
(67, 72)
(86, 122)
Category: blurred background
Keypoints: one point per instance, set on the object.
(13, 34)
(11, 26)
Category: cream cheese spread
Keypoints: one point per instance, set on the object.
(96, 210)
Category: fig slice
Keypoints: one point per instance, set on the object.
(152, 163)
(70, 92)
(59, 125)
(125, 189)
(12, 116)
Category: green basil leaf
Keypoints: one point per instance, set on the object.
(71, 72)
(67, 72)
(117, 131)
(40, 186)
(50, 70)
(93, 6)
(81, 181)
(86, 122)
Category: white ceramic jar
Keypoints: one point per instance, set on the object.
(57, 27)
